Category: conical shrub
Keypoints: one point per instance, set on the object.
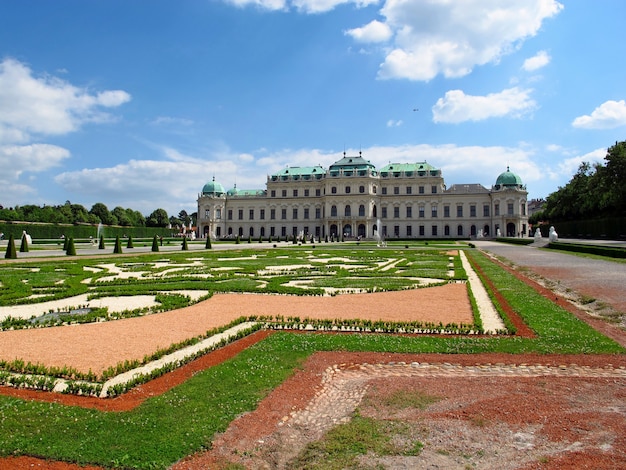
(118, 246)
(185, 246)
(11, 252)
(101, 243)
(155, 243)
(207, 245)
(130, 242)
(71, 248)
(24, 244)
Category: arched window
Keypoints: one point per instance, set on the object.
(459, 230)
(333, 211)
(251, 231)
(347, 211)
(446, 230)
(361, 210)
(374, 212)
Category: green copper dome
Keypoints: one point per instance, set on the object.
(212, 188)
(508, 178)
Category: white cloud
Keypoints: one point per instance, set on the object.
(457, 107)
(608, 115)
(48, 105)
(394, 123)
(17, 159)
(307, 6)
(266, 4)
(374, 31)
(451, 38)
(541, 59)
(568, 167)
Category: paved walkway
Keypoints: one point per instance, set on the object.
(596, 278)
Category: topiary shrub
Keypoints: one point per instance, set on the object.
(24, 244)
(11, 252)
(155, 243)
(71, 248)
(101, 243)
(118, 246)
(130, 242)
(207, 245)
(185, 246)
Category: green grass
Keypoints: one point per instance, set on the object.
(166, 428)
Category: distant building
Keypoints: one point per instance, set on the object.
(353, 199)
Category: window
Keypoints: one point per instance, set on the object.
(262, 231)
(409, 231)
(295, 214)
(306, 193)
(273, 193)
(396, 189)
(284, 193)
(251, 231)
(433, 211)
(273, 214)
(230, 214)
(446, 211)
(496, 209)
(218, 213)
(421, 212)
(459, 211)
(384, 190)
(509, 208)
(523, 209)
(446, 230)
(486, 210)
(374, 189)
(283, 231)
(240, 214)
(421, 230)
(459, 231)
(384, 212)
(283, 214)
(409, 190)
(361, 210)
(306, 212)
(318, 213)
(409, 212)
(361, 189)
(396, 212)
(433, 230)
(421, 189)
(318, 192)
(396, 230)
(262, 214)
(347, 189)
(295, 193)
(333, 211)
(433, 189)
(472, 210)
(272, 231)
(347, 211)
(251, 214)
(206, 213)
(333, 190)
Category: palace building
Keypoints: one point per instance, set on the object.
(353, 199)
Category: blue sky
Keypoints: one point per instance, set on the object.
(139, 103)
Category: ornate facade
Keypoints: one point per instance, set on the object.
(353, 199)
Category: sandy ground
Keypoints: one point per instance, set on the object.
(98, 346)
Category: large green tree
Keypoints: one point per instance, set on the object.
(158, 218)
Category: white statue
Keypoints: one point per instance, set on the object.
(537, 234)
(553, 236)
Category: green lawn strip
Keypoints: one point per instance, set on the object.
(161, 431)
(558, 330)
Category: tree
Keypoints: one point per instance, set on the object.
(117, 249)
(71, 248)
(122, 216)
(158, 218)
(208, 242)
(24, 245)
(102, 213)
(155, 243)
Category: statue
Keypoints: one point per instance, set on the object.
(537, 234)
(553, 236)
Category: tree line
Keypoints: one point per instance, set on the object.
(595, 191)
(70, 213)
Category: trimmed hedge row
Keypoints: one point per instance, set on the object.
(55, 231)
(608, 251)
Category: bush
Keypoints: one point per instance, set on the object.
(118, 246)
(11, 253)
(101, 243)
(155, 243)
(208, 242)
(24, 245)
(71, 249)
(130, 242)
(185, 247)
